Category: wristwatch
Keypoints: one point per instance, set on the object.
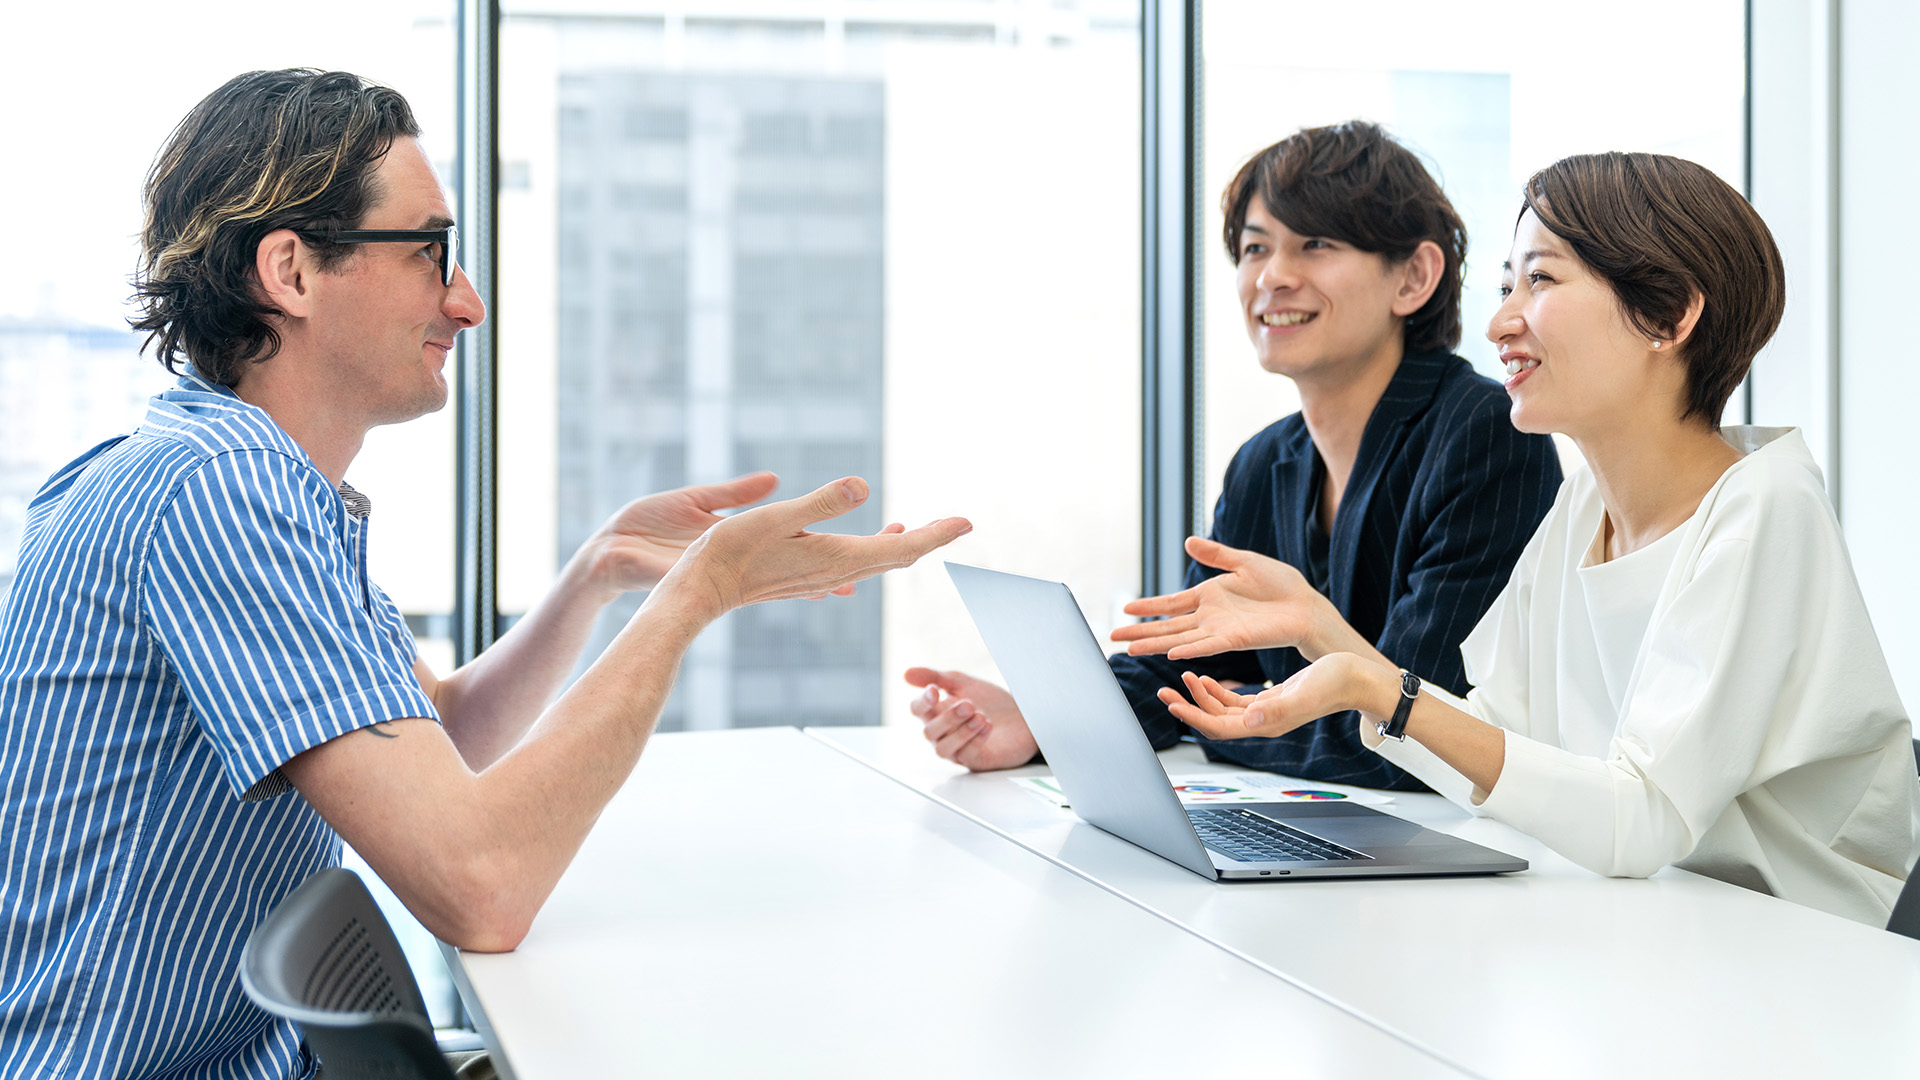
(1396, 728)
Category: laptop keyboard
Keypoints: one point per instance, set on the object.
(1244, 836)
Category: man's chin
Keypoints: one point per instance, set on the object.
(428, 401)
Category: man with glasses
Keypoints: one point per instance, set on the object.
(202, 694)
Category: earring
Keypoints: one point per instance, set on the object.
(1657, 344)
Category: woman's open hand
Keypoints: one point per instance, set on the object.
(1259, 603)
(1329, 685)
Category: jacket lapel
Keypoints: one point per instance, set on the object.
(1405, 398)
(1295, 471)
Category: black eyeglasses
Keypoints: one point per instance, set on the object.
(448, 240)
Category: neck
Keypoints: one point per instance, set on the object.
(315, 419)
(1336, 408)
(1652, 476)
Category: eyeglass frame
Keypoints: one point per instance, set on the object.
(448, 238)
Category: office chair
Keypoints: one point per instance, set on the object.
(1906, 910)
(327, 960)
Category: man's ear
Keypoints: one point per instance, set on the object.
(285, 270)
(1419, 276)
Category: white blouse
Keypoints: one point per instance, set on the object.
(1716, 699)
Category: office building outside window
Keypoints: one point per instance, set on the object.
(899, 242)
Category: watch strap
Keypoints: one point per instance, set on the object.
(1396, 728)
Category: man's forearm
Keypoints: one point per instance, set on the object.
(546, 792)
(491, 702)
(478, 854)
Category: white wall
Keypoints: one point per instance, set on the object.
(1834, 104)
(1879, 385)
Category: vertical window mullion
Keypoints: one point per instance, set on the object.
(477, 104)
(1170, 336)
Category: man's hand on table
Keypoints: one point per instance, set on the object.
(970, 721)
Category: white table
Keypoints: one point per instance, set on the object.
(1551, 972)
(756, 903)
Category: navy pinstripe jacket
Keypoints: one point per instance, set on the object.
(1443, 497)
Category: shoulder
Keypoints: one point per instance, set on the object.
(1279, 440)
(1466, 436)
(1776, 491)
(248, 486)
(1470, 409)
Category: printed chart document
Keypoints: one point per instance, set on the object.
(1216, 787)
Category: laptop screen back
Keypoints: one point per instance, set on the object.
(1058, 673)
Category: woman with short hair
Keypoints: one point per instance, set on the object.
(1681, 668)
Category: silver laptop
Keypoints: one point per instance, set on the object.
(1058, 672)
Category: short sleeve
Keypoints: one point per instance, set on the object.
(256, 599)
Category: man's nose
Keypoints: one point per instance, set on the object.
(463, 304)
(1276, 274)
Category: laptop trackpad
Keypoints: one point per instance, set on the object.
(1366, 829)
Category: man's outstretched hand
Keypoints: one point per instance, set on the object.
(642, 541)
(768, 552)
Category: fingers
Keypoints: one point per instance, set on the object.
(1180, 603)
(1186, 713)
(1225, 697)
(1200, 643)
(951, 725)
(1168, 645)
(829, 500)
(962, 737)
(834, 561)
(948, 717)
(926, 676)
(1215, 554)
(865, 556)
(1159, 628)
(1206, 697)
(738, 491)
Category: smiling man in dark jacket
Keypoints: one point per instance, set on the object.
(1399, 494)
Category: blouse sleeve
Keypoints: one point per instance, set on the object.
(1499, 656)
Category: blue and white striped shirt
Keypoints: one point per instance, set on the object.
(191, 610)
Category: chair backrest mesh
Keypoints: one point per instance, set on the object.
(349, 975)
(326, 959)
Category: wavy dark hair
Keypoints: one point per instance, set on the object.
(1352, 183)
(293, 149)
(1659, 229)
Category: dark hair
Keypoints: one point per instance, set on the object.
(1352, 183)
(1660, 229)
(292, 149)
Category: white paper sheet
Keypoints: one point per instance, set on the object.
(1202, 788)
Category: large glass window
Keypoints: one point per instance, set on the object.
(1485, 92)
(900, 241)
